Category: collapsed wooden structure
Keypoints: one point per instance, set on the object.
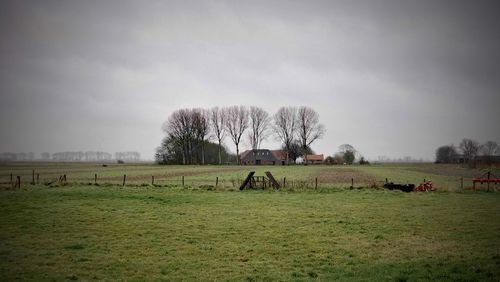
(253, 181)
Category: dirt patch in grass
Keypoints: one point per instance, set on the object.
(345, 176)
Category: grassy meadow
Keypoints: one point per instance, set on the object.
(78, 231)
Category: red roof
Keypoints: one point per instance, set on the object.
(315, 157)
(279, 154)
(243, 154)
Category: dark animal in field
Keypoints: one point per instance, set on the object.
(402, 187)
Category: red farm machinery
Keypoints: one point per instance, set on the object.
(487, 178)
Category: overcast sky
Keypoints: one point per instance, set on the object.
(394, 78)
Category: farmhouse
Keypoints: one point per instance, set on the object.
(315, 159)
(263, 157)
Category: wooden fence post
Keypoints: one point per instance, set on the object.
(352, 182)
(489, 181)
(183, 181)
(18, 182)
(65, 180)
(284, 182)
(124, 178)
(95, 178)
(152, 180)
(316, 185)
(37, 178)
(33, 177)
(216, 181)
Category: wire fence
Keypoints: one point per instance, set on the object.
(182, 181)
(18, 181)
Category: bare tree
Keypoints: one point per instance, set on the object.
(237, 123)
(489, 148)
(348, 152)
(348, 157)
(469, 148)
(285, 127)
(179, 128)
(201, 124)
(309, 128)
(259, 123)
(218, 118)
(346, 147)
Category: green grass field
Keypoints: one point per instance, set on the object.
(88, 232)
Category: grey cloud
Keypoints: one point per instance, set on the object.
(383, 75)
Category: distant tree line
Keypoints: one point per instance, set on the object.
(190, 132)
(88, 156)
(405, 159)
(467, 150)
(82, 156)
(94, 156)
(129, 156)
(6, 156)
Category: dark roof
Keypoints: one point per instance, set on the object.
(264, 155)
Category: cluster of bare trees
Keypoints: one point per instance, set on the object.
(188, 130)
(468, 148)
